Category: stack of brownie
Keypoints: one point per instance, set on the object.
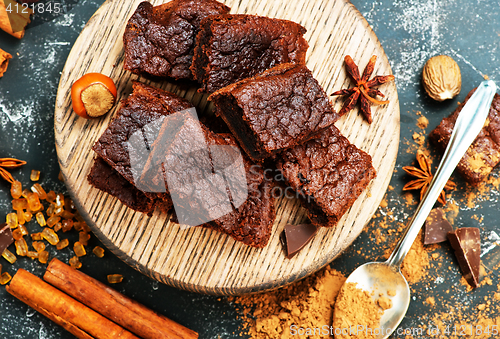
(254, 68)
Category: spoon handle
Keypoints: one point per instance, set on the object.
(468, 125)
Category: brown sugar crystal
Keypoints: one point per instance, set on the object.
(4, 61)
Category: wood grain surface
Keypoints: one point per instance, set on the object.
(200, 259)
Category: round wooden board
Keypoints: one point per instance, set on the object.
(200, 259)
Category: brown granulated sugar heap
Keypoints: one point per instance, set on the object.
(307, 304)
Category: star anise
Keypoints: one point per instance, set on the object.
(9, 163)
(363, 91)
(424, 178)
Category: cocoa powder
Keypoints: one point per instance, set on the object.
(356, 314)
(306, 305)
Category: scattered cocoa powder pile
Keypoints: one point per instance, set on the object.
(416, 263)
(458, 323)
(482, 192)
(419, 138)
(306, 304)
(355, 307)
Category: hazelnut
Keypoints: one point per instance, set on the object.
(93, 95)
(441, 78)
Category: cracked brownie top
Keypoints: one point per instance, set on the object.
(275, 110)
(232, 47)
(160, 40)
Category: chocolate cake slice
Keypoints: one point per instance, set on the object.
(251, 222)
(277, 109)
(232, 47)
(159, 40)
(484, 153)
(105, 178)
(328, 174)
(210, 181)
(137, 114)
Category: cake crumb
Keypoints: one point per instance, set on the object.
(431, 301)
(422, 122)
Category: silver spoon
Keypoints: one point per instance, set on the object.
(381, 277)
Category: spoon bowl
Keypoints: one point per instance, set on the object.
(384, 280)
(378, 278)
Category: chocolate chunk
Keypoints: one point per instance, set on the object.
(467, 245)
(436, 227)
(6, 238)
(295, 237)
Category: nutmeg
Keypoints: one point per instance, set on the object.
(441, 78)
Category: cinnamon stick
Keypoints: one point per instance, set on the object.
(113, 305)
(14, 17)
(4, 61)
(75, 317)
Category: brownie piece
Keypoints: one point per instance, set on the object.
(165, 131)
(252, 221)
(277, 109)
(137, 114)
(105, 178)
(159, 40)
(210, 181)
(328, 174)
(232, 47)
(484, 153)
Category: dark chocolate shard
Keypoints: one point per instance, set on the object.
(295, 237)
(436, 227)
(467, 245)
(6, 238)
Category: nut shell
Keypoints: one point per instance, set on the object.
(441, 78)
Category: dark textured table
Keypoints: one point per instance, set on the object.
(411, 31)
